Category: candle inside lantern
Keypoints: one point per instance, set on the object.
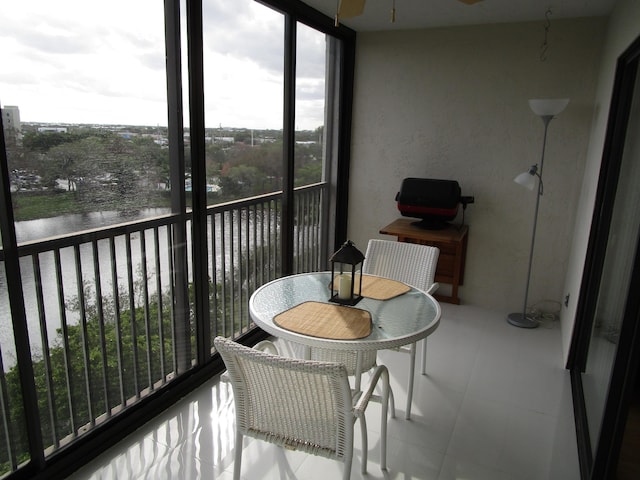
(344, 286)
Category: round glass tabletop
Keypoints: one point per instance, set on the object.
(398, 321)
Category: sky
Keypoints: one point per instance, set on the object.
(91, 62)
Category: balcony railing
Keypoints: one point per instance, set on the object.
(102, 314)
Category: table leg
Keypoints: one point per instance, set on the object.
(358, 372)
(412, 365)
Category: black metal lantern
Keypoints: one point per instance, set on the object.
(344, 265)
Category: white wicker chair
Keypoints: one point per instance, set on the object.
(414, 265)
(299, 404)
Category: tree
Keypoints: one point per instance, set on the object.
(44, 141)
(240, 181)
(115, 336)
(74, 162)
(108, 170)
(309, 174)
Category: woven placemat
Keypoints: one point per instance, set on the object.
(379, 288)
(325, 320)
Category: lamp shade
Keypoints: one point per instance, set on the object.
(544, 107)
(526, 179)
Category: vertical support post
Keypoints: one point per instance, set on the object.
(18, 315)
(199, 181)
(288, 168)
(182, 337)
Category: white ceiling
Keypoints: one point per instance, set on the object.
(411, 14)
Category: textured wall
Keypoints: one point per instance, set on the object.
(452, 103)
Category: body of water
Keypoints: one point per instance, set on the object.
(50, 227)
(65, 224)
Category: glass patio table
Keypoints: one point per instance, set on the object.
(401, 320)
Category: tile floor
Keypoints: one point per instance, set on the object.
(495, 405)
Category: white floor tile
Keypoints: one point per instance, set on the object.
(495, 404)
(265, 461)
(409, 460)
(479, 435)
(456, 467)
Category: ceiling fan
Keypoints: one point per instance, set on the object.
(353, 8)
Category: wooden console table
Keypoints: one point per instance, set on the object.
(452, 243)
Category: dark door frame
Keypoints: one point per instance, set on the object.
(601, 463)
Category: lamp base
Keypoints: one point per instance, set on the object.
(521, 320)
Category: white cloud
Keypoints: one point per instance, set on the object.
(89, 62)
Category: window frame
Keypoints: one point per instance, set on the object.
(339, 97)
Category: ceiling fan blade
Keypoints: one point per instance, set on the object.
(350, 8)
(470, 2)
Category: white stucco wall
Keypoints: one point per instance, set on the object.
(622, 29)
(452, 103)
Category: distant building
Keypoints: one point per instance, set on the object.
(224, 139)
(52, 129)
(128, 135)
(11, 118)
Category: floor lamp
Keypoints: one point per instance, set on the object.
(546, 109)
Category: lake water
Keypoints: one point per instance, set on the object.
(64, 224)
(49, 227)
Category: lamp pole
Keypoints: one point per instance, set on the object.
(546, 110)
(521, 319)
